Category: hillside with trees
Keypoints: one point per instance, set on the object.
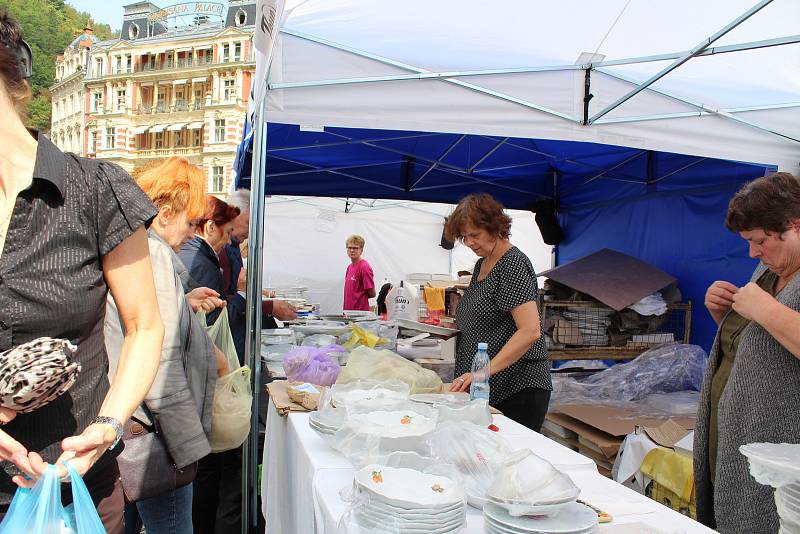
(49, 26)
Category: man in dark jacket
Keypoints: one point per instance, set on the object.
(235, 277)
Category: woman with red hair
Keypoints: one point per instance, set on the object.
(216, 504)
(179, 401)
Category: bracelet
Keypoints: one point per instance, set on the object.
(114, 423)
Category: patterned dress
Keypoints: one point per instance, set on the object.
(484, 315)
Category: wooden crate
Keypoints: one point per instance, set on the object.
(587, 318)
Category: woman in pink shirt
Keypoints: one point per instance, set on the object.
(359, 281)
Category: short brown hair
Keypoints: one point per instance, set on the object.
(176, 183)
(217, 211)
(14, 84)
(769, 203)
(481, 211)
(356, 240)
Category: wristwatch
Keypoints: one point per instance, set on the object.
(114, 423)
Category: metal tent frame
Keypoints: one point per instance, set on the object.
(481, 171)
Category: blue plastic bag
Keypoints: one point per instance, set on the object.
(39, 511)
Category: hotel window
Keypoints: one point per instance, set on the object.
(177, 138)
(96, 98)
(98, 67)
(120, 99)
(110, 137)
(128, 63)
(92, 142)
(196, 137)
(159, 141)
(71, 104)
(218, 178)
(225, 53)
(237, 51)
(229, 90)
(119, 65)
(219, 130)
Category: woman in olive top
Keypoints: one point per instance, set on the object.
(751, 391)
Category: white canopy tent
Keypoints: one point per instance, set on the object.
(519, 85)
(512, 68)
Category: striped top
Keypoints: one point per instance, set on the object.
(51, 283)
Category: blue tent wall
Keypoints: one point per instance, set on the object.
(666, 209)
(682, 234)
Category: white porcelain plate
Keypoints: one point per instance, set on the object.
(492, 528)
(440, 398)
(432, 522)
(414, 514)
(386, 525)
(392, 424)
(404, 487)
(574, 517)
(343, 398)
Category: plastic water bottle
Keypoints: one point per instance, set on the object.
(479, 388)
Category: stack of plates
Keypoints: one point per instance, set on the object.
(407, 501)
(575, 518)
(787, 499)
(332, 328)
(778, 465)
(327, 422)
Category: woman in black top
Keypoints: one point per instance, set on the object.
(500, 308)
(71, 229)
(217, 492)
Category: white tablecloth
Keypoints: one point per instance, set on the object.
(302, 478)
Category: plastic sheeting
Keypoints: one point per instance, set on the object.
(664, 369)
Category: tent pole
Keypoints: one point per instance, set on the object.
(255, 268)
(587, 95)
(703, 45)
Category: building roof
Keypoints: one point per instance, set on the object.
(189, 33)
(86, 39)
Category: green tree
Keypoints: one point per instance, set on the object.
(49, 26)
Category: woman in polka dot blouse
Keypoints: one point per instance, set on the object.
(500, 308)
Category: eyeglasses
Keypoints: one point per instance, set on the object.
(353, 248)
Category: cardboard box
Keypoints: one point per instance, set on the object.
(607, 444)
(615, 279)
(618, 421)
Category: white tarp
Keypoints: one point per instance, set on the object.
(399, 241)
(458, 35)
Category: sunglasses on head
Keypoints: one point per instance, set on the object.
(24, 56)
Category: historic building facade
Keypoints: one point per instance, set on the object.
(68, 117)
(178, 88)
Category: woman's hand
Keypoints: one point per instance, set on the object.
(462, 382)
(751, 302)
(204, 298)
(13, 451)
(221, 361)
(6, 415)
(719, 299)
(81, 451)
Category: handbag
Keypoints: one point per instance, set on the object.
(145, 465)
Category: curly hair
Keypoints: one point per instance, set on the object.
(769, 203)
(15, 86)
(481, 211)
